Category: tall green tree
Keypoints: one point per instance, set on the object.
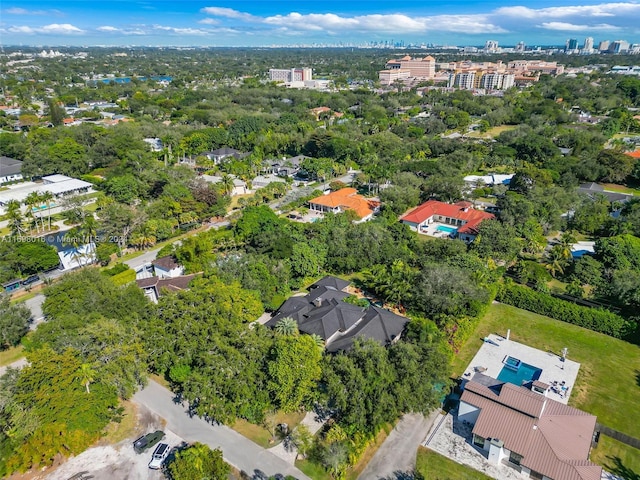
(199, 462)
(294, 370)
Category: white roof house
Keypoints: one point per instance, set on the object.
(58, 185)
(489, 179)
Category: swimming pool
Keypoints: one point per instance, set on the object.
(443, 228)
(525, 373)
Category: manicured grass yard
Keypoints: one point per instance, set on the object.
(614, 187)
(433, 466)
(260, 435)
(608, 384)
(492, 132)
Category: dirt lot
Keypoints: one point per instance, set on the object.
(110, 462)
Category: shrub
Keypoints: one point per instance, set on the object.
(598, 320)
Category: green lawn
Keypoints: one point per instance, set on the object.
(614, 187)
(608, 384)
(10, 355)
(260, 435)
(491, 133)
(433, 466)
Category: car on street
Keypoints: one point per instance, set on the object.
(147, 441)
(159, 455)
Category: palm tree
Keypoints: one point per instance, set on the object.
(318, 340)
(14, 215)
(86, 375)
(286, 326)
(227, 184)
(557, 260)
(47, 197)
(32, 201)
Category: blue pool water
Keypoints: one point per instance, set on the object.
(442, 228)
(525, 373)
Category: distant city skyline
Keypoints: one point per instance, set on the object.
(281, 23)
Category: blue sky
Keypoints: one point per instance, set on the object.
(278, 22)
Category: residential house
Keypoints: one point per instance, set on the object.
(324, 312)
(522, 428)
(239, 186)
(167, 267)
(287, 167)
(10, 170)
(59, 185)
(155, 144)
(343, 200)
(435, 218)
(220, 154)
(155, 287)
(488, 180)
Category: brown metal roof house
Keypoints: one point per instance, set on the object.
(528, 431)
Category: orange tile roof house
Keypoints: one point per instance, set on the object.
(528, 431)
(345, 199)
(463, 219)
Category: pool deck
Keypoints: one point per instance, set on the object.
(493, 351)
(432, 230)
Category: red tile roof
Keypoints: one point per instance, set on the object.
(347, 199)
(554, 439)
(635, 154)
(460, 211)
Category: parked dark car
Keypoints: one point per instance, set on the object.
(147, 441)
(30, 280)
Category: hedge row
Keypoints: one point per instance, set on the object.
(602, 321)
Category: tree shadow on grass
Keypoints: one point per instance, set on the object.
(615, 466)
(638, 377)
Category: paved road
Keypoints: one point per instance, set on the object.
(146, 257)
(35, 305)
(17, 364)
(237, 450)
(396, 458)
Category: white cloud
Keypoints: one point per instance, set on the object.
(570, 27)
(209, 21)
(385, 23)
(61, 29)
(228, 13)
(108, 28)
(53, 29)
(24, 11)
(600, 10)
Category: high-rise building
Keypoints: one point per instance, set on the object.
(588, 45)
(497, 81)
(491, 46)
(464, 80)
(603, 46)
(419, 67)
(290, 75)
(572, 44)
(619, 46)
(520, 47)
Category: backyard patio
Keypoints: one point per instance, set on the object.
(558, 374)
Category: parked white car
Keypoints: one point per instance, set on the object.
(159, 455)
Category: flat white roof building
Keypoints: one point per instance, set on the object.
(58, 185)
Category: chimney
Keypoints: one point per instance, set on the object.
(318, 301)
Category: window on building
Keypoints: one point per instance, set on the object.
(536, 475)
(478, 441)
(515, 458)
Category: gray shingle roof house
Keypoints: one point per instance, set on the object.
(323, 312)
(538, 435)
(10, 170)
